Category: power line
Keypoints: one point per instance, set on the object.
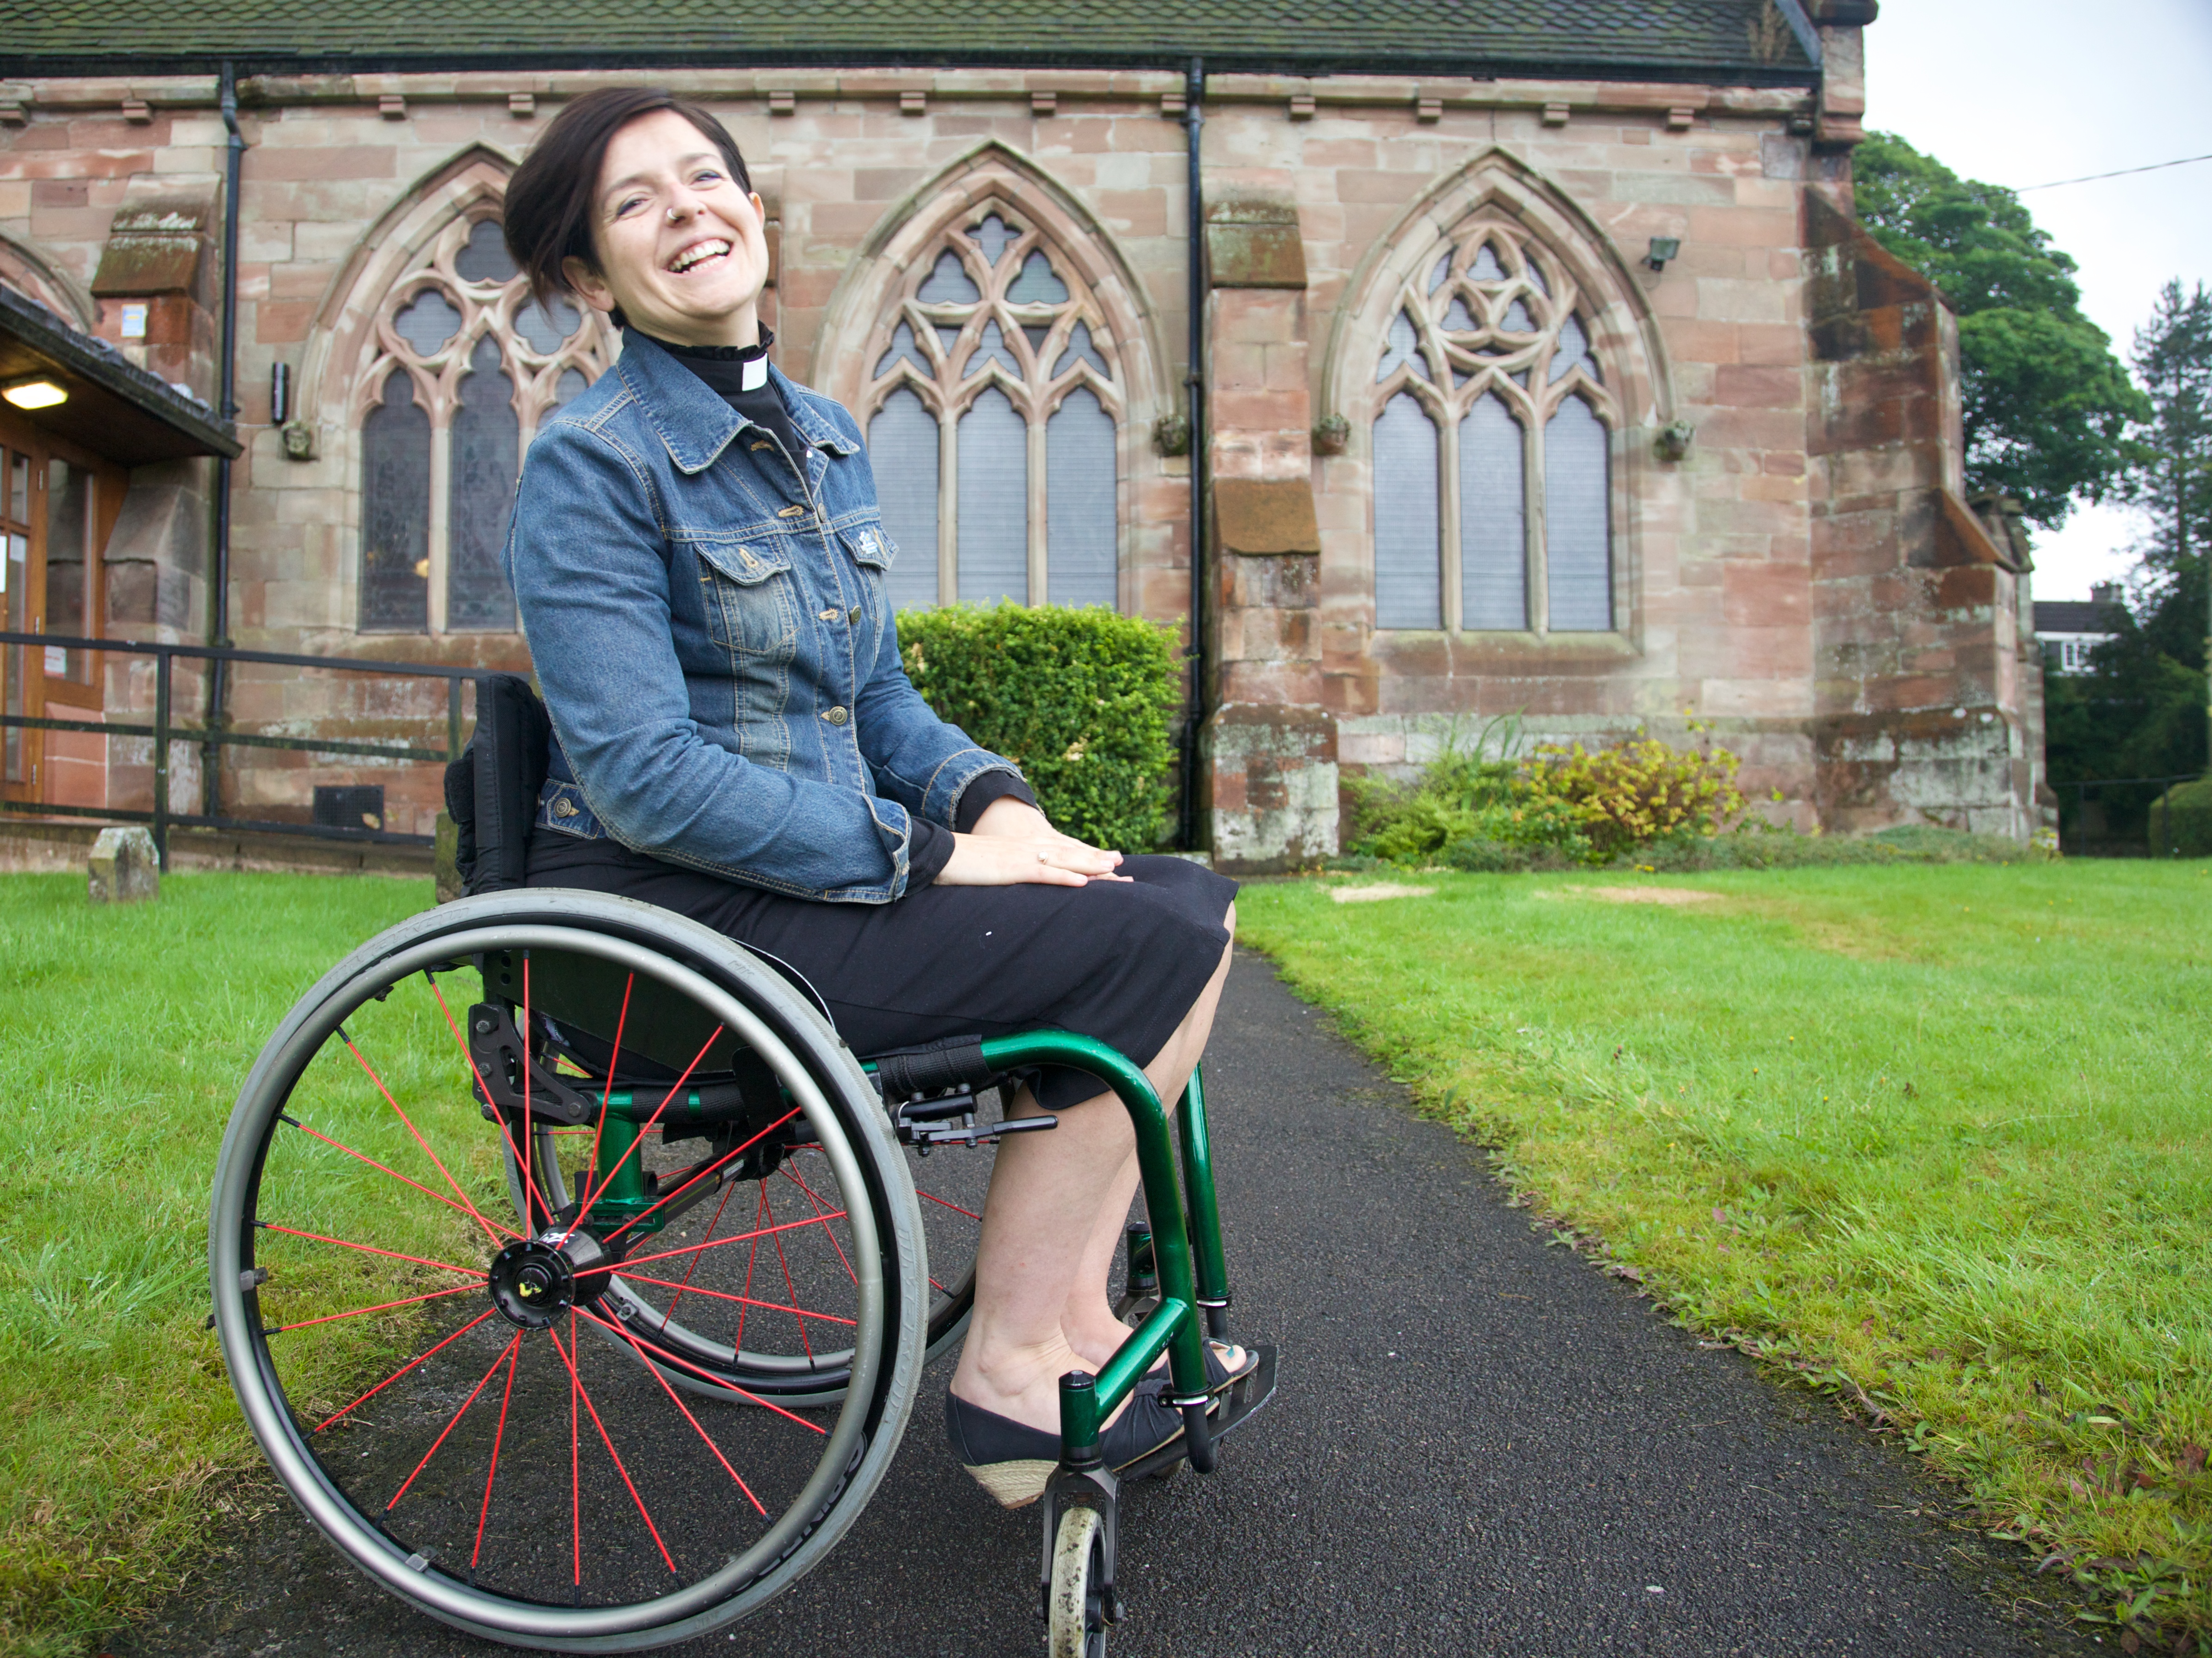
(2091, 178)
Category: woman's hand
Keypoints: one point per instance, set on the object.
(1012, 844)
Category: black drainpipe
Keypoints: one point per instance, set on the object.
(226, 408)
(1193, 120)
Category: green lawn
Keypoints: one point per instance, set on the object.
(1936, 1136)
(123, 1036)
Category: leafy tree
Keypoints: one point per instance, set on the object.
(2141, 711)
(2046, 404)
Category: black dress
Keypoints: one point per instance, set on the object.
(1120, 962)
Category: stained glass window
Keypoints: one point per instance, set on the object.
(489, 364)
(1523, 431)
(1022, 352)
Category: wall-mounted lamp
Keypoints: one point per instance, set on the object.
(280, 393)
(1663, 248)
(34, 394)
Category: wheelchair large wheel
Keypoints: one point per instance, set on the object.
(950, 1184)
(481, 1413)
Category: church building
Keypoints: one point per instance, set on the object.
(1513, 358)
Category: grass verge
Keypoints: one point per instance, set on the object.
(123, 1036)
(1934, 1137)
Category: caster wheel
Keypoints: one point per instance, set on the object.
(1077, 1609)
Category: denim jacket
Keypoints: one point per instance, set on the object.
(715, 644)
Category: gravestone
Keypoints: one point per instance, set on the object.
(123, 868)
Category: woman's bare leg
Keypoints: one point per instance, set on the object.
(1051, 1199)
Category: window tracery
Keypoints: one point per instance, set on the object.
(463, 367)
(994, 409)
(1491, 445)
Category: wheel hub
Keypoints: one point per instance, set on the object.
(534, 1280)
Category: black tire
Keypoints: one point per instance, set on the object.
(357, 1220)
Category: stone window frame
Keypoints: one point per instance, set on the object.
(1153, 549)
(1449, 372)
(1622, 328)
(485, 307)
(1036, 393)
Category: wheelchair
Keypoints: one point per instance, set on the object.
(577, 1280)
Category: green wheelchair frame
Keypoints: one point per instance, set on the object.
(1177, 1274)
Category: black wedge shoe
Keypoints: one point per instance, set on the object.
(1012, 1460)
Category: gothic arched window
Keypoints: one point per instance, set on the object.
(464, 366)
(994, 411)
(1493, 502)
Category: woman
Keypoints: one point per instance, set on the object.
(698, 558)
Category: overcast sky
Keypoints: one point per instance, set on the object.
(2021, 92)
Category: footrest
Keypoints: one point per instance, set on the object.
(1242, 1401)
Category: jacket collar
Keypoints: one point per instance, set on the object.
(692, 420)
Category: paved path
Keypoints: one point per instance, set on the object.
(1480, 1446)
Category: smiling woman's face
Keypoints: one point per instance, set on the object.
(680, 245)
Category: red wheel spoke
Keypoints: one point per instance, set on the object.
(688, 1417)
(575, 1479)
(631, 1150)
(717, 1243)
(719, 1162)
(404, 1369)
(475, 1272)
(727, 1386)
(529, 1142)
(788, 1283)
(454, 1422)
(529, 1186)
(752, 1261)
(941, 1204)
(670, 1312)
(821, 1208)
(381, 1306)
(607, 1093)
(514, 1355)
(605, 1439)
(364, 1157)
(723, 1294)
(940, 1288)
(490, 1230)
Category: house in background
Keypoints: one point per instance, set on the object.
(2070, 630)
(1543, 367)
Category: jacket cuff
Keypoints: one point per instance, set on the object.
(978, 797)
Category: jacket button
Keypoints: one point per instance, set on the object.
(836, 716)
(852, 615)
(564, 807)
(793, 512)
(831, 614)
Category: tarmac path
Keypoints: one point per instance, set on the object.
(1479, 1445)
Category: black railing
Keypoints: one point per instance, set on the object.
(2130, 803)
(164, 731)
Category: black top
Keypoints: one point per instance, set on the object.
(727, 369)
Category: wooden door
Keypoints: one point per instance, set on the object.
(22, 571)
(58, 504)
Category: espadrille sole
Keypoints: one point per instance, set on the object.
(1012, 1485)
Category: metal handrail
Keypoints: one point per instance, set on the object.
(163, 732)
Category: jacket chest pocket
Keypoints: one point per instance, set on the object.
(751, 597)
(872, 552)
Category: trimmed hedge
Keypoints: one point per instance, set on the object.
(1079, 699)
(2190, 806)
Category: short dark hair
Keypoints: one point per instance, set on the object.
(550, 199)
